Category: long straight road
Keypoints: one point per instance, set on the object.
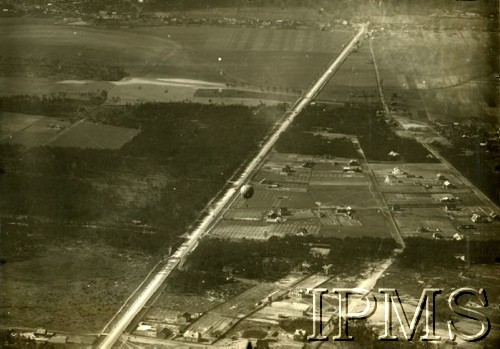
(131, 312)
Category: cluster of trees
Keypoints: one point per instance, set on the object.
(479, 167)
(298, 141)
(57, 69)
(274, 258)
(376, 137)
(424, 254)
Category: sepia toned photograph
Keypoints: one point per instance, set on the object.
(250, 174)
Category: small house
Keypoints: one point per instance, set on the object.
(390, 179)
(477, 218)
(300, 335)
(448, 185)
(192, 336)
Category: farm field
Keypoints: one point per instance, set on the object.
(446, 75)
(267, 60)
(423, 205)
(284, 182)
(34, 131)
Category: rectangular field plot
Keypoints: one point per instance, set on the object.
(211, 325)
(417, 187)
(373, 223)
(353, 196)
(280, 310)
(463, 199)
(247, 301)
(261, 230)
(321, 177)
(300, 176)
(418, 169)
(263, 39)
(277, 159)
(30, 130)
(268, 199)
(15, 122)
(244, 214)
(88, 135)
(311, 282)
(409, 199)
(330, 218)
(432, 219)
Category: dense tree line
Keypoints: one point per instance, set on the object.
(58, 69)
(54, 105)
(57, 104)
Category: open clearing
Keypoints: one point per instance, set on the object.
(66, 285)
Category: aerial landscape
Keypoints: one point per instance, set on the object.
(249, 174)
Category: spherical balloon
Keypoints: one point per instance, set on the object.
(247, 191)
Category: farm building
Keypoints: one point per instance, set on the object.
(343, 209)
(390, 179)
(287, 170)
(296, 293)
(458, 237)
(422, 229)
(450, 208)
(351, 169)
(449, 199)
(396, 171)
(477, 218)
(145, 329)
(192, 336)
(440, 177)
(494, 216)
(448, 185)
(319, 251)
